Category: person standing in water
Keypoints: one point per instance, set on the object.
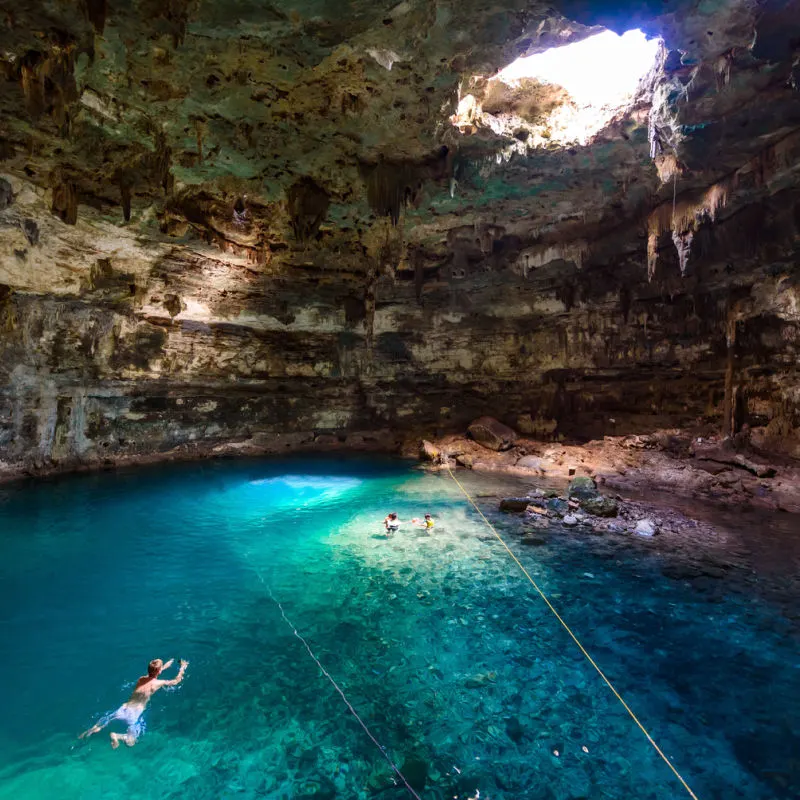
(391, 523)
(131, 712)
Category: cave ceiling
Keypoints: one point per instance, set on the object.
(223, 222)
(319, 132)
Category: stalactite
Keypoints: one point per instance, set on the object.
(48, 83)
(652, 254)
(65, 202)
(390, 187)
(722, 69)
(682, 219)
(32, 84)
(161, 162)
(729, 403)
(369, 307)
(683, 244)
(199, 129)
(96, 12)
(668, 167)
(307, 204)
(540, 256)
(125, 192)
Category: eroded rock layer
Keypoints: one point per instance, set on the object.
(237, 226)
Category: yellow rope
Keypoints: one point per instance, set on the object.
(575, 639)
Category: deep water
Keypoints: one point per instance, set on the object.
(460, 671)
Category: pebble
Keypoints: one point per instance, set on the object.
(570, 520)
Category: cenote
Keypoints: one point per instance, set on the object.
(456, 666)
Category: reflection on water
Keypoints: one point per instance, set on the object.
(459, 670)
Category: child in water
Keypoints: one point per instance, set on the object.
(426, 523)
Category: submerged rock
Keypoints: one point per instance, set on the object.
(533, 541)
(490, 433)
(516, 504)
(320, 789)
(479, 680)
(415, 771)
(514, 729)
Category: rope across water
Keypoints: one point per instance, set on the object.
(338, 688)
(574, 638)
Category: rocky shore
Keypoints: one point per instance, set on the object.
(705, 508)
(698, 464)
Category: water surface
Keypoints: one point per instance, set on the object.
(460, 671)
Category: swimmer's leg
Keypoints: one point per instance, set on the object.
(130, 738)
(98, 726)
(116, 738)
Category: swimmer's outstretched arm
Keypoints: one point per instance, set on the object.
(168, 664)
(178, 678)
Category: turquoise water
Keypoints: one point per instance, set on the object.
(458, 669)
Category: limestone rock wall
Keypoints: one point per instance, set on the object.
(230, 229)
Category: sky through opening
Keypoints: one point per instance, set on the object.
(603, 70)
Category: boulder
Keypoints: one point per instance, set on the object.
(570, 520)
(557, 506)
(465, 460)
(600, 506)
(514, 504)
(645, 527)
(427, 451)
(490, 433)
(531, 462)
(582, 488)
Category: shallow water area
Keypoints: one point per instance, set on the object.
(456, 666)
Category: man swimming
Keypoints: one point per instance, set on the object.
(131, 712)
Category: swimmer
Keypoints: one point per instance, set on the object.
(426, 523)
(131, 712)
(391, 523)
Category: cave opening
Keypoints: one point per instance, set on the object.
(564, 95)
(602, 71)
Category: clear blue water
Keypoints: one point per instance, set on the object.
(438, 641)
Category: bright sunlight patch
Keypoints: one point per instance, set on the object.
(565, 95)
